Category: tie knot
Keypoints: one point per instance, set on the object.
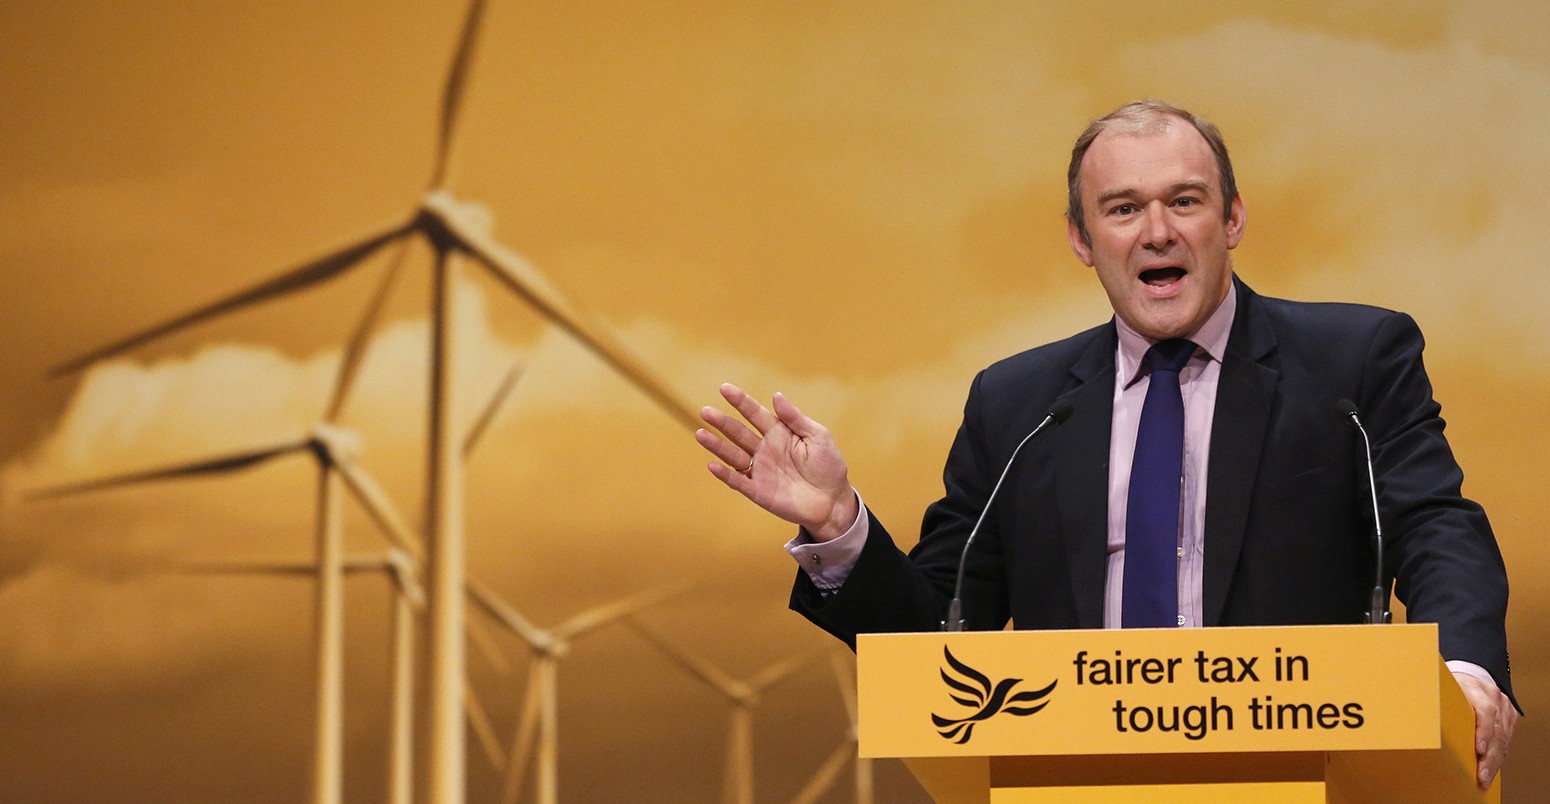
(1170, 355)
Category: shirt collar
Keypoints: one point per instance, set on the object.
(1211, 337)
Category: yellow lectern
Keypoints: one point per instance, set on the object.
(1285, 714)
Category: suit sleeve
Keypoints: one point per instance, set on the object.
(1440, 549)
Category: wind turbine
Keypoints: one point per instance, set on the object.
(742, 694)
(539, 719)
(408, 596)
(408, 601)
(828, 773)
(452, 228)
(333, 448)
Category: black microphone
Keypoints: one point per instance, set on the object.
(1378, 610)
(1058, 412)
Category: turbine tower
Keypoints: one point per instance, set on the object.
(403, 573)
(453, 229)
(333, 449)
(742, 694)
(844, 666)
(539, 718)
(408, 597)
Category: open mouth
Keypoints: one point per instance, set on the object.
(1162, 277)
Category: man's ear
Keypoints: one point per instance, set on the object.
(1237, 219)
(1079, 247)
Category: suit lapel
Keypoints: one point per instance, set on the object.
(1082, 475)
(1244, 396)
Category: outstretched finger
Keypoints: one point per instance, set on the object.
(757, 415)
(734, 479)
(732, 429)
(738, 459)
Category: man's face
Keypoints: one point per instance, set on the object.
(1153, 206)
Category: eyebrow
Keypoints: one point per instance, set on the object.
(1196, 185)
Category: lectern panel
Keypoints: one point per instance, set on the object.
(1149, 691)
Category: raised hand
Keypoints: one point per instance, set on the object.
(786, 463)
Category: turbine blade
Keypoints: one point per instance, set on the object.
(367, 562)
(827, 774)
(491, 408)
(301, 567)
(479, 634)
(691, 663)
(306, 275)
(364, 488)
(599, 616)
(219, 464)
(780, 671)
(505, 614)
(452, 93)
(355, 349)
(479, 721)
(275, 566)
(523, 279)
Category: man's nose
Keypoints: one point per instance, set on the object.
(1158, 228)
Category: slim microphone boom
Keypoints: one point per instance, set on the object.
(1378, 611)
(1058, 412)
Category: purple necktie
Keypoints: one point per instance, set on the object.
(1151, 593)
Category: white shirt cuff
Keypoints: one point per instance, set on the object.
(1473, 670)
(829, 563)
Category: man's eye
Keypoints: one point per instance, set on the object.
(1185, 202)
(1124, 209)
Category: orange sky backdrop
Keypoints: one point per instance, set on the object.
(858, 205)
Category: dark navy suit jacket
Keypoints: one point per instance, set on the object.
(1288, 528)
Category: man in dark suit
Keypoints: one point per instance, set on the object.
(1272, 527)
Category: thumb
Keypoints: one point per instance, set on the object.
(795, 420)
